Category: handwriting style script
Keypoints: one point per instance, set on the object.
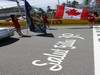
(59, 52)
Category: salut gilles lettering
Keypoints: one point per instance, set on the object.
(59, 52)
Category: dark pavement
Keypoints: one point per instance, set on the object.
(17, 57)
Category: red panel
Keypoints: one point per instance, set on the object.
(59, 12)
(85, 13)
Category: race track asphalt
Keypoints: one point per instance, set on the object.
(17, 55)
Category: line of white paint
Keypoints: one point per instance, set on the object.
(96, 51)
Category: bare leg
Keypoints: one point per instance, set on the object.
(19, 32)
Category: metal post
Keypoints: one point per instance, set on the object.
(58, 2)
(95, 6)
(19, 8)
(26, 20)
(67, 1)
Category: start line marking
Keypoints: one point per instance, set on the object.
(96, 42)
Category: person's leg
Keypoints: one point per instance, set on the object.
(89, 23)
(47, 24)
(92, 23)
(44, 29)
(19, 32)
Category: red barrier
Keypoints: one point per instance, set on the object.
(59, 12)
(84, 14)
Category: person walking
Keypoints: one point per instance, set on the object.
(91, 19)
(16, 25)
(45, 20)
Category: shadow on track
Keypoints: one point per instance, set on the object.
(52, 29)
(8, 41)
(46, 35)
(26, 36)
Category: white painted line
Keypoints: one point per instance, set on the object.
(96, 51)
